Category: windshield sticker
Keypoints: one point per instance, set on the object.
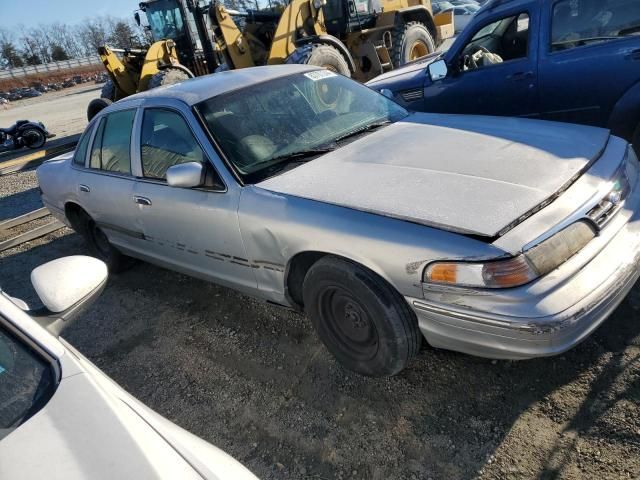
(320, 74)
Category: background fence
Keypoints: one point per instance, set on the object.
(49, 67)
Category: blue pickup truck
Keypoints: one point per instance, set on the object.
(566, 60)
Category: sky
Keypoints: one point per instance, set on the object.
(33, 12)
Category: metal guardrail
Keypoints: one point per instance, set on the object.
(19, 72)
(36, 158)
(29, 235)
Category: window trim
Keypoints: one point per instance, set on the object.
(549, 49)
(88, 133)
(508, 62)
(103, 118)
(158, 181)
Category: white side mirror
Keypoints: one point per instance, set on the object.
(438, 70)
(66, 286)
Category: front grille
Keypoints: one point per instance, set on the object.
(411, 95)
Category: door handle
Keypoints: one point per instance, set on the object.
(519, 76)
(141, 200)
(84, 188)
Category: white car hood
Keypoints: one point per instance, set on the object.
(469, 174)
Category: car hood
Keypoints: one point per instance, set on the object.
(468, 174)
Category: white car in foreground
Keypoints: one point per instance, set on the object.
(62, 418)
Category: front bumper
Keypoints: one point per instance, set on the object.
(537, 321)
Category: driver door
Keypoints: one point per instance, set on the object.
(509, 88)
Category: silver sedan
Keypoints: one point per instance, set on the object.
(498, 237)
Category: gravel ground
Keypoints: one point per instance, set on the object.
(255, 381)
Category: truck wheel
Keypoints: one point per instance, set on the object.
(411, 41)
(108, 91)
(362, 320)
(321, 55)
(168, 76)
(96, 105)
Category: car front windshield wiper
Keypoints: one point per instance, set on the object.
(358, 131)
(280, 161)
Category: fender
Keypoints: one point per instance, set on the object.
(24, 126)
(177, 67)
(334, 42)
(625, 116)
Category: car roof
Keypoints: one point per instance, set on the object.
(195, 90)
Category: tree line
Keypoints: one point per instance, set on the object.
(57, 41)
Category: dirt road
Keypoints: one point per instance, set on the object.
(255, 381)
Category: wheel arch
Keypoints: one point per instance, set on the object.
(73, 212)
(298, 266)
(333, 42)
(421, 14)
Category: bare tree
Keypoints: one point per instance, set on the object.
(66, 37)
(9, 56)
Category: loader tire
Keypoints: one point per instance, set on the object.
(168, 76)
(321, 55)
(96, 105)
(109, 91)
(411, 41)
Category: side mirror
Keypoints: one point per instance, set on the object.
(386, 92)
(66, 287)
(438, 70)
(185, 175)
(136, 17)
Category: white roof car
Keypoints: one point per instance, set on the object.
(62, 418)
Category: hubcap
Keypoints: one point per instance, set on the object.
(418, 49)
(348, 324)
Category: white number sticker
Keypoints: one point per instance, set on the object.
(320, 74)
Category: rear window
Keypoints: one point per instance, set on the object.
(577, 23)
(27, 382)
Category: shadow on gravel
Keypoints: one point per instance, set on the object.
(255, 381)
(19, 203)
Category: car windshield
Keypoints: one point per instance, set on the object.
(292, 119)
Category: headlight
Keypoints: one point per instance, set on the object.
(515, 271)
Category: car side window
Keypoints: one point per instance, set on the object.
(27, 382)
(500, 41)
(166, 140)
(111, 150)
(80, 154)
(576, 23)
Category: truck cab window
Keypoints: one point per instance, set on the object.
(500, 41)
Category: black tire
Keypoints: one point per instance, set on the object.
(109, 91)
(96, 106)
(321, 55)
(99, 245)
(168, 76)
(361, 319)
(411, 40)
(33, 138)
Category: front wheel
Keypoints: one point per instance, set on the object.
(33, 138)
(363, 321)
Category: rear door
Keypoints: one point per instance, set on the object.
(105, 186)
(590, 56)
(505, 88)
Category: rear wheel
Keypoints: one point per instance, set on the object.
(34, 138)
(321, 55)
(99, 244)
(168, 76)
(361, 319)
(411, 41)
(96, 106)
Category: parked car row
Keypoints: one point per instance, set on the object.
(38, 88)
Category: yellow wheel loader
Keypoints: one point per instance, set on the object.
(358, 38)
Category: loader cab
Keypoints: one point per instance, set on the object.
(346, 16)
